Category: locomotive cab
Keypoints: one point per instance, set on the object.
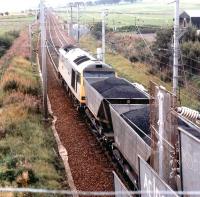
(98, 71)
(75, 65)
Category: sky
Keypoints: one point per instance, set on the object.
(18, 5)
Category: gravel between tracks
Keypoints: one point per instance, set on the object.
(90, 168)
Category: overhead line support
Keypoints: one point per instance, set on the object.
(43, 51)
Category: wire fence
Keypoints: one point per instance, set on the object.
(95, 193)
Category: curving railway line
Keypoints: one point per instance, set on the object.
(90, 168)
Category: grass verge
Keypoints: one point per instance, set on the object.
(28, 157)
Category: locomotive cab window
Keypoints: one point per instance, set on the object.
(81, 59)
(73, 79)
(99, 74)
(78, 78)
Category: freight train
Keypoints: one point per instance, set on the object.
(117, 109)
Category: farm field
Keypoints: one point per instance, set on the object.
(10, 23)
(152, 13)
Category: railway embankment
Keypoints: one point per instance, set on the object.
(28, 153)
(135, 71)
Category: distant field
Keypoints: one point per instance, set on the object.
(8, 23)
(147, 13)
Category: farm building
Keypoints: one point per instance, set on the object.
(190, 17)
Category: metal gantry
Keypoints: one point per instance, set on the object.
(176, 48)
(43, 60)
(78, 25)
(103, 36)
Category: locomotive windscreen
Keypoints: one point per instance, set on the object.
(98, 74)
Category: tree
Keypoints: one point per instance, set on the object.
(96, 30)
(191, 56)
(162, 47)
(190, 51)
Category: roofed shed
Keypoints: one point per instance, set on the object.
(190, 17)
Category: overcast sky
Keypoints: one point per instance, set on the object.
(12, 5)
(18, 5)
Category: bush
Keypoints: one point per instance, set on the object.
(11, 116)
(196, 80)
(13, 33)
(191, 54)
(6, 41)
(96, 30)
(19, 77)
(162, 47)
(31, 103)
(138, 29)
(191, 35)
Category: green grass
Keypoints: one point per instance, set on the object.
(155, 13)
(10, 23)
(136, 72)
(27, 145)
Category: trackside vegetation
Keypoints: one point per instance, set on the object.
(26, 146)
(6, 40)
(136, 71)
(28, 154)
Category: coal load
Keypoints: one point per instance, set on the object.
(139, 120)
(185, 126)
(117, 88)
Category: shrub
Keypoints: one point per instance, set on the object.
(13, 33)
(96, 30)
(19, 77)
(196, 80)
(141, 29)
(191, 54)
(11, 116)
(31, 103)
(6, 41)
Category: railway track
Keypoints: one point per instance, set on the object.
(90, 168)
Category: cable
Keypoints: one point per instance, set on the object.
(98, 193)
